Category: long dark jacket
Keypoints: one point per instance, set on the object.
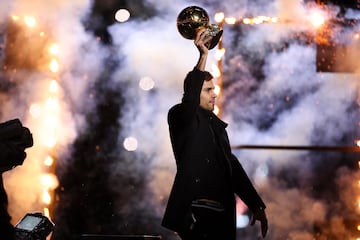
(206, 167)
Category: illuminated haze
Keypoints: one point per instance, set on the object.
(288, 104)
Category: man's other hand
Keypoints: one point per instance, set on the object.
(260, 216)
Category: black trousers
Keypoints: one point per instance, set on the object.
(209, 225)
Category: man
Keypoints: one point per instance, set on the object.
(14, 139)
(202, 202)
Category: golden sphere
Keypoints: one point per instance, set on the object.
(191, 19)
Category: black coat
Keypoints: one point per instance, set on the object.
(206, 167)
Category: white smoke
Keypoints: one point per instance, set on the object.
(153, 48)
(80, 62)
(321, 99)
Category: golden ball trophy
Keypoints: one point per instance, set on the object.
(193, 18)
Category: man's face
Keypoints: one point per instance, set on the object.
(207, 96)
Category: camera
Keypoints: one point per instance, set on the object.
(33, 226)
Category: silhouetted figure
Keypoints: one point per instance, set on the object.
(202, 202)
(14, 139)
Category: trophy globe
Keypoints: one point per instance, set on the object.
(193, 18)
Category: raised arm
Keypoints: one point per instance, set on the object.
(200, 41)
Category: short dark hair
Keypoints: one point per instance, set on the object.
(208, 76)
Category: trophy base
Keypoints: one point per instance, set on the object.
(215, 40)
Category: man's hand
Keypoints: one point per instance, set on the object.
(260, 216)
(202, 40)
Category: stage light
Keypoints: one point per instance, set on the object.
(219, 17)
(35, 110)
(219, 54)
(317, 19)
(130, 144)
(122, 15)
(54, 49)
(230, 20)
(54, 86)
(215, 71)
(217, 90)
(216, 110)
(146, 83)
(30, 21)
(15, 17)
(54, 66)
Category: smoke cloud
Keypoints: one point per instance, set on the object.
(272, 95)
